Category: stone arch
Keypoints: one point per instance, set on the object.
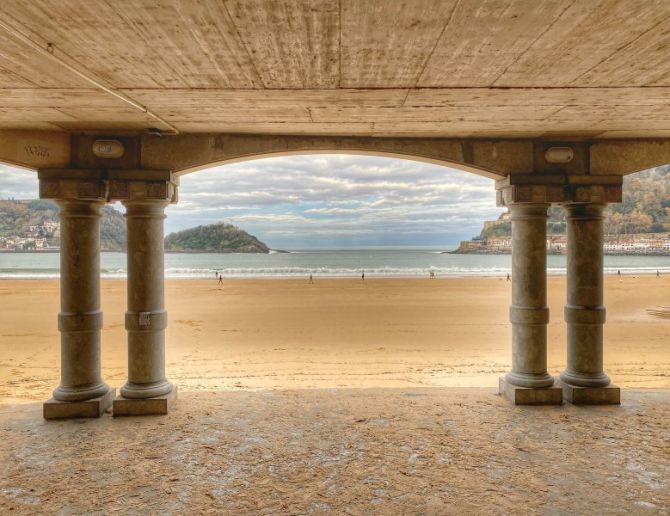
(464, 167)
(19, 166)
(190, 153)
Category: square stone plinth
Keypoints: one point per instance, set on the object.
(145, 407)
(96, 407)
(610, 395)
(527, 396)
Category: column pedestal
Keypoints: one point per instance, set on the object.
(529, 383)
(153, 406)
(94, 407)
(584, 380)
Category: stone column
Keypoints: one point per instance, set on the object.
(529, 381)
(584, 380)
(80, 196)
(147, 390)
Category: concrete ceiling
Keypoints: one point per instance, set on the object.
(417, 68)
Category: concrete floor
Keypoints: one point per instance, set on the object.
(366, 451)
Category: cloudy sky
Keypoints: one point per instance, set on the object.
(325, 201)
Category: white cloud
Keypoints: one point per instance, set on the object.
(302, 201)
(18, 183)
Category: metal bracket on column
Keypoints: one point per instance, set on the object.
(146, 321)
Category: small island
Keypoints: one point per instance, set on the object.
(214, 238)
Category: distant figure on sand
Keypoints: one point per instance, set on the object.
(432, 274)
(508, 277)
(658, 274)
(618, 272)
(363, 275)
(311, 280)
(220, 279)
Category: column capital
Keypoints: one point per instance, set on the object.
(143, 186)
(529, 188)
(558, 189)
(593, 189)
(72, 184)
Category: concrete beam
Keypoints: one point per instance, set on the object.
(188, 153)
(624, 157)
(35, 149)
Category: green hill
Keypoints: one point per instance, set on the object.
(215, 238)
(645, 208)
(17, 217)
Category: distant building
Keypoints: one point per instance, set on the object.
(633, 244)
(35, 238)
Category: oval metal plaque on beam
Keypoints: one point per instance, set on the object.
(559, 155)
(108, 149)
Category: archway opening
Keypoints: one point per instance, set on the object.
(359, 295)
(338, 200)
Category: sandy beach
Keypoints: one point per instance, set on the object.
(289, 334)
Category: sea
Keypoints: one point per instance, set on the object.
(409, 262)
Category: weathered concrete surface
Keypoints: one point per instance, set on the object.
(35, 149)
(381, 451)
(426, 68)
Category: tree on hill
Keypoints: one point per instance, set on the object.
(646, 204)
(16, 218)
(645, 208)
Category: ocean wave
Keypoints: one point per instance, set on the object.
(323, 272)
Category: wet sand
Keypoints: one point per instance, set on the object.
(289, 334)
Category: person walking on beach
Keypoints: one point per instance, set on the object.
(658, 274)
(311, 280)
(432, 274)
(508, 277)
(618, 272)
(363, 275)
(220, 279)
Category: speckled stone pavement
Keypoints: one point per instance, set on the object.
(341, 451)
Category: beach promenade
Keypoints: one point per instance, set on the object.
(343, 451)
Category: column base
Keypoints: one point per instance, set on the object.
(95, 407)
(609, 395)
(157, 406)
(530, 396)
